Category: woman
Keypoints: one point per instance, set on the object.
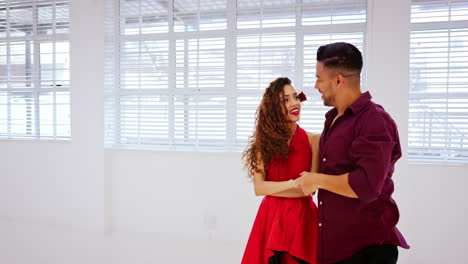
(285, 228)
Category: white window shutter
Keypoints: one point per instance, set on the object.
(204, 66)
(34, 69)
(438, 101)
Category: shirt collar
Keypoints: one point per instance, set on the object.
(355, 107)
(360, 103)
(331, 113)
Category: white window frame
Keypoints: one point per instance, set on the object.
(35, 123)
(432, 138)
(113, 93)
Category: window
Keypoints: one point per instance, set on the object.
(189, 75)
(34, 69)
(438, 102)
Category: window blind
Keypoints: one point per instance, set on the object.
(438, 98)
(34, 69)
(189, 75)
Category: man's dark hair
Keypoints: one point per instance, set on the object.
(340, 55)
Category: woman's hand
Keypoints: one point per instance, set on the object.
(307, 182)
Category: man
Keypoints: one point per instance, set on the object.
(358, 149)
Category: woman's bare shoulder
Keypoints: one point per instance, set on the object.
(313, 136)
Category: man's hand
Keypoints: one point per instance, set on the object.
(307, 182)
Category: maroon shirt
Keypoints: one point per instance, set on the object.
(364, 142)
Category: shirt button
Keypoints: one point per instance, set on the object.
(324, 159)
(320, 202)
(320, 224)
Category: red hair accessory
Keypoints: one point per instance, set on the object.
(302, 97)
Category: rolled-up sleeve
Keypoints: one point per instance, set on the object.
(371, 152)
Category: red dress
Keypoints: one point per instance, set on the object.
(285, 224)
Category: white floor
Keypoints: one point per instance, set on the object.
(25, 243)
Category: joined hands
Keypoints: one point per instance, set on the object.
(307, 182)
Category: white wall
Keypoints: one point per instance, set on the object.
(63, 199)
(204, 195)
(436, 220)
(63, 182)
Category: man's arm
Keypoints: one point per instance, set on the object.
(371, 153)
(334, 183)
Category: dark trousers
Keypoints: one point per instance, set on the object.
(284, 258)
(374, 254)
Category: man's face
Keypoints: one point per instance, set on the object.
(326, 84)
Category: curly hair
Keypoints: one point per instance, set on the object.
(272, 131)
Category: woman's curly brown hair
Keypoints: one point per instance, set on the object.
(272, 130)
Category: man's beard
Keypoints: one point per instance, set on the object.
(327, 101)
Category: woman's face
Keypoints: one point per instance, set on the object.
(291, 103)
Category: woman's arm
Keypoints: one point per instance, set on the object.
(264, 188)
(314, 141)
(314, 146)
(272, 188)
(315, 153)
(291, 193)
